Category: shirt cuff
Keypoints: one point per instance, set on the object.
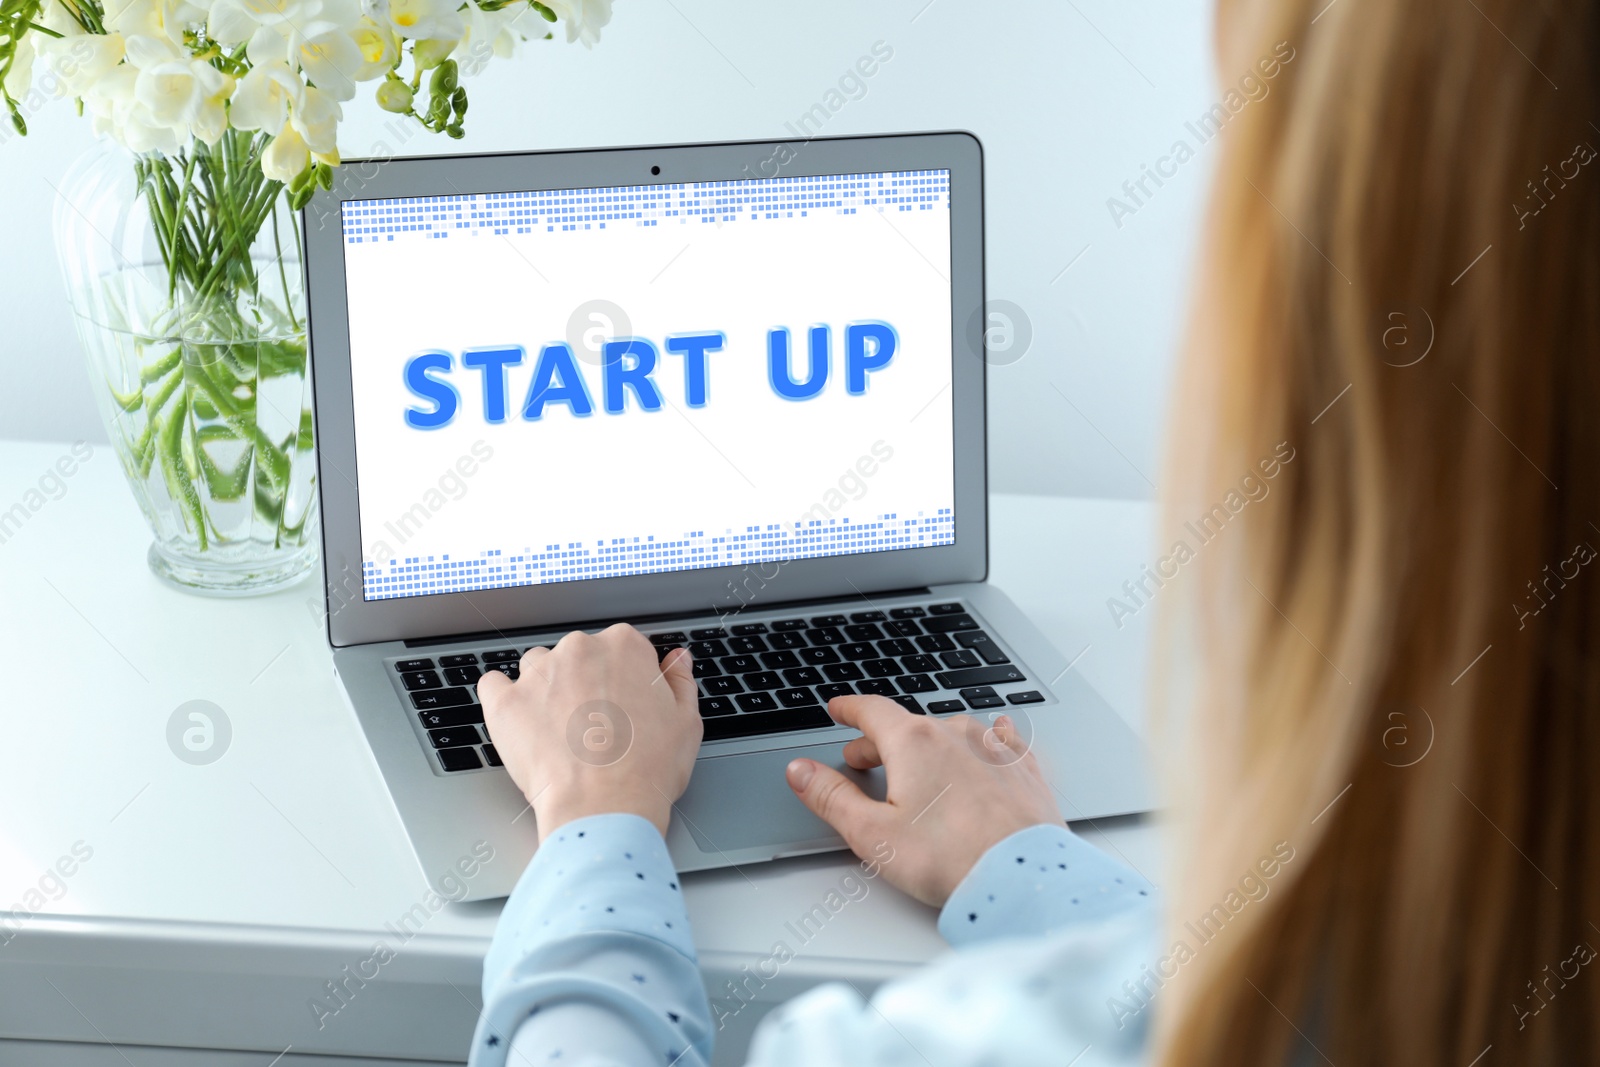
(603, 874)
(1035, 881)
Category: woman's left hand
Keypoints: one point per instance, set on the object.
(595, 726)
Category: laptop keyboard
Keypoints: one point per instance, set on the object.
(759, 678)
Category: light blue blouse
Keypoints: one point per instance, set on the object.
(593, 964)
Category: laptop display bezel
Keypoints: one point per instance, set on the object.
(351, 619)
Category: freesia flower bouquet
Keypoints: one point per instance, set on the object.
(181, 253)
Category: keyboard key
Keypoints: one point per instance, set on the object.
(864, 631)
(510, 670)
(466, 659)
(663, 650)
(919, 664)
(983, 645)
(902, 628)
(414, 665)
(979, 692)
(414, 680)
(778, 661)
(877, 686)
(705, 648)
(961, 657)
(906, 613)
(819, 655)
(763, 680)
(896, 646)
(858, 650)
(936, 643)
(755, 702)
(503, 656)
(772, 722)
(706, 668)
(746, 645)
(881, 668)
(671, 637)
(492, 756)
(710, 633)
(440, 698)
(793, 639)
(1027, 696)
(459, 759)
(740, 664)
(909, 703)
(866, 616)
(945, 609)
(454, 736)
(916, 683)
(462, 675)
(843, 672)
(797, 697)
(436, 720)
(950, 623)
(979, 676)
(827, 620)
(710, 707)
(721, 687)
(745, 629)
(941, 706)
(834, 689)
(979, 703)
(826, 635)
(789, 624)
(802, 676)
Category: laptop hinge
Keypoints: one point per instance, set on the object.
(647, 620)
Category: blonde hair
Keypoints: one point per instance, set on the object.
(1419, 574)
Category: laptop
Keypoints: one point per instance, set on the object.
(732, 394)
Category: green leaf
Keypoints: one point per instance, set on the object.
(161, 367)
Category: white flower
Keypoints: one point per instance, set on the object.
(380, 49)
(186, 94)
(234, 21)
(332, 60)
(308, 133)
(584, 18)
(488, 34)
(316, 118)
(285, 156)
(426, 19)
(162, 19)
(80, 60)
(118, 113)
(58, 19)
(264, 97)
(211, 117)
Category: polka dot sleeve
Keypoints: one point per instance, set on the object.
(592, 962)
(1036, 881)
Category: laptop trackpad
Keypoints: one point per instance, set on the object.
(744, 801)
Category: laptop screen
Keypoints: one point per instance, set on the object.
(577, 384)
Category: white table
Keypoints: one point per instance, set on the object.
(219, 899)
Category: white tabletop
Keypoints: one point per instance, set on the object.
(285, 857)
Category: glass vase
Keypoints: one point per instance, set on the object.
(183, 274)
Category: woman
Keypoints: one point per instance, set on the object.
(1387, 695)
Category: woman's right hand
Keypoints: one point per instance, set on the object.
(956, 786)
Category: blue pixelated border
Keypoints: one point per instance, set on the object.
(567, 210)
(618, 557)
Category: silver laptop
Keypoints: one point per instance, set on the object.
(730, 393)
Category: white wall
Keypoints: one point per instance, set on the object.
(1075, 93)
